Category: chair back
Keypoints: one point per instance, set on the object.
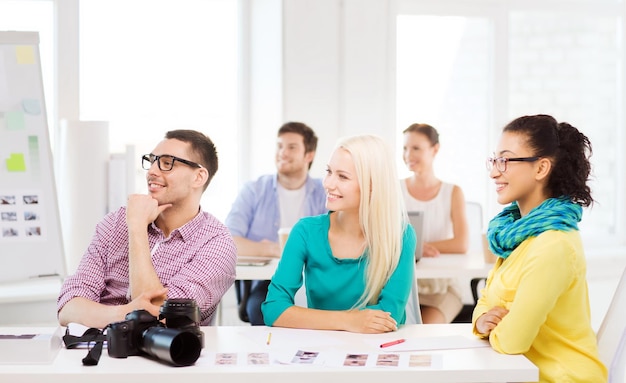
(617, 369)
(300, 298)
(413, 313)
(474, 214)
(613, 331)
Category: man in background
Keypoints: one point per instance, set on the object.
(161, 245)
(275, 201)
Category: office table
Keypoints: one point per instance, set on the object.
(453, 266)
(454, 365)
(444, 266)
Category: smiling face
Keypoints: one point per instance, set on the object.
(291, 158)
(418, 152)
(523, 182)
(182, 183)
(341, 183)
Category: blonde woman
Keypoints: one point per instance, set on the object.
(358, 259)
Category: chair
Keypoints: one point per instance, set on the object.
(474, 214)
(413, 313)
(242, 289)
(612, 334)
(617, 369)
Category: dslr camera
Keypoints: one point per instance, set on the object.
(177, 341)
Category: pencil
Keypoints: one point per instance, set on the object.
(269, 338)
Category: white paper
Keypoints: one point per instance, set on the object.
(448, 342)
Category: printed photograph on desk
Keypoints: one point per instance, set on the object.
(305, 357)
(257, 358)
(224, 358)
(355, 360)
(388, 360)
(420, 360)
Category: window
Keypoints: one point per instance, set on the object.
(150, 66)
(445, 82)
(469, 69)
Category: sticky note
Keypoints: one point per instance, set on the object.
(25, 54)
(31, 106)
(14, 120)
(16, 163)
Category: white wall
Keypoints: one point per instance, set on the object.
(327, 49)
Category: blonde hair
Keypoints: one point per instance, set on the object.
(382, 213)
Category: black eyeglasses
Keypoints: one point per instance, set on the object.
(500, 162)
(165, 162)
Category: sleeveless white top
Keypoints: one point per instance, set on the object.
(437, 227)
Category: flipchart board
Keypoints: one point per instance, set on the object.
(31, 244)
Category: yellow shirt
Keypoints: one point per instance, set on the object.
(543, 285)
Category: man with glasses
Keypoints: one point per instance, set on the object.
(160, 246)
(271, 202)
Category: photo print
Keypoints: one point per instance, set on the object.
(31, 199)
(7, 200)
(8, 216)
(304, 357)
(355, 360)
(258, 358)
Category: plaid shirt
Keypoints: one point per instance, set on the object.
(196, 261)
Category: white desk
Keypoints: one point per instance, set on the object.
(261, 273)
(464, 365)
(444, 266)
(452, 266)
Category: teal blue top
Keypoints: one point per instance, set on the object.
(332, 283)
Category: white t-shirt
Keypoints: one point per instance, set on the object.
(291, 205)
(437, 227)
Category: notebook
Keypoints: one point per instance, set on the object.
(416, 218)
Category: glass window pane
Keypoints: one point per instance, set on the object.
(568, 66)
(151, 66)
(565, 63)
(446, 82)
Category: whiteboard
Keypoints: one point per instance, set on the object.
(31, 244)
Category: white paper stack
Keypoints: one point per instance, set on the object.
(33, 345)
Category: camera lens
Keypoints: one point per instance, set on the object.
(180, 312)
(183, 314)
(180, 348)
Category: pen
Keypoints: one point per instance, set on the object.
(269, 338)
(393, 342)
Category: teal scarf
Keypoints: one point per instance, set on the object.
(508, 229)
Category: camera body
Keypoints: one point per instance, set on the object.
(125, 338)
(178, 341)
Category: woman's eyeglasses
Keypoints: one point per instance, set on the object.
(500, 162)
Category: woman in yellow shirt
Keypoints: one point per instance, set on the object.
(536, 301)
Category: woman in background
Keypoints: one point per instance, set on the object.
(445, 223)
(535, 301)
(358, 259)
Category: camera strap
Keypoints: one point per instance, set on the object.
(92, 335)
